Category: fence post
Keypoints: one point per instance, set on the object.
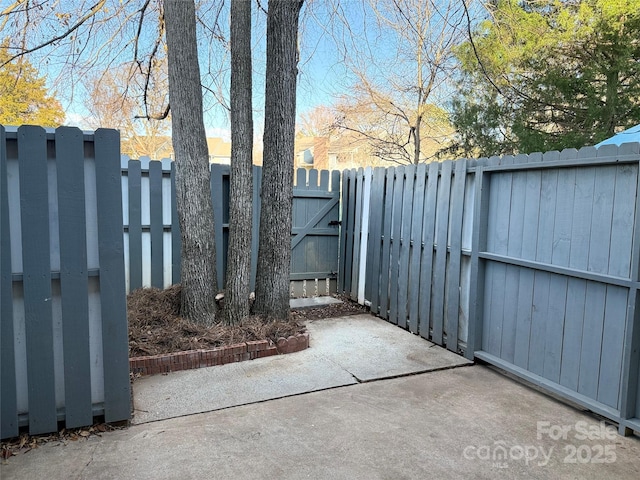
(478, 243)
(631, 353)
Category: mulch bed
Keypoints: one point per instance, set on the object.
(155, 325)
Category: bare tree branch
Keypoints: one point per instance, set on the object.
(93, 11)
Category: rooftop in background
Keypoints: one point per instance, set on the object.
(629, 135)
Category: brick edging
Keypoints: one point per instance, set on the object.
(173, 362)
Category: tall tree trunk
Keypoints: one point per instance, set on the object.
(240, 198)
(274, 252)
(416, 140)
(195, 211)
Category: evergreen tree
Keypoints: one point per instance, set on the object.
(24, 99)
(544, 75)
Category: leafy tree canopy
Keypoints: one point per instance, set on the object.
(23, 95)
(541, 75)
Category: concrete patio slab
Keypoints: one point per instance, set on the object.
(159, 397)
(372, 349)
(451, 424)
(343, 351)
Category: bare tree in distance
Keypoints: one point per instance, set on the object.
(241, 189)
(114, 100)
(399, 55)
(274, 252)
(317, 122)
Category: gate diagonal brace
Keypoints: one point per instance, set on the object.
(314, 221)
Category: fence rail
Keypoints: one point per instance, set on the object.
(531, 263)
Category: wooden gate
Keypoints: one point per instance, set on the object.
(315, 233)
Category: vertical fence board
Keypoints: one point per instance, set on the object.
(496, 238)
(255, 228)
(526, 282)
(405, 245)
(386, 242)
(299, 217)
(74, 282)
(514, 249)
(612, 345)
(313, 179)
(600, 240)
(8, 392)
(395, 244)
(216, 198)
(428, 238)
(375, 239)
(345, 220)
(453, 276)
(622, 221)
(34, 201)
(324, 180)
(352, 193)
(364, 236)
(572, 338)
(440, 265)
(135, 225)
(592, 339)
(558, 287)
(176, 238)
(577, 289)
(417, 215)
(112, 288)
(156, 223)
(357, 232)
(344, 224)
(539, 319)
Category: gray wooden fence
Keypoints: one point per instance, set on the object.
(64, 347)
(530, 263)
(152, 235)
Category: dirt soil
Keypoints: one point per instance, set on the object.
(155, 325)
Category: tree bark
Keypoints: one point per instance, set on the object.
(241, 188)
(193, 191)
(274, 252)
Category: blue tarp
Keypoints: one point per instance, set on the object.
(630, 135)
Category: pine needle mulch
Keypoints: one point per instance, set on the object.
(156, 327)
